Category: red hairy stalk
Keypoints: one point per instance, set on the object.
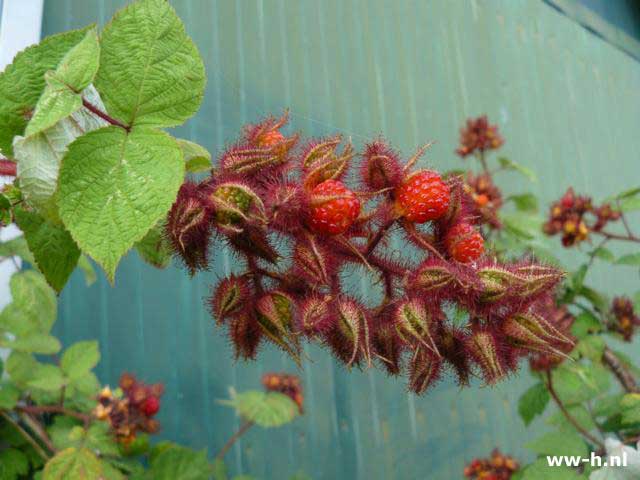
(103, 115)
(8, 168)
(301, 219)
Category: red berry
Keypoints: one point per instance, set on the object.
(335, 215)
(150, 406)
(422, 197)
(464, 243)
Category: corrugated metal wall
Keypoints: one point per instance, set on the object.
(566, 101)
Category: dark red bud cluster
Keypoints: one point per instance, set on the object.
(497, 467)
(487, 199)
(575, 217)
(288, 385)
(478, 136)
(133, 412)
(562, 319)
(298, 224)
(624, 319)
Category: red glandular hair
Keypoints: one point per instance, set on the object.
(294, 290)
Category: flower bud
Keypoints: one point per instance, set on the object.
(315, 315)
(496, 282)
(537, 279)
(424, 371)
(413, 323)
(350, 338)
(533, 332)
(381, 166)
(317, 151)
(230, 296)
(234, 203)
(275, 312)
(245, 334)
(483, 349)
(330, 167)
(433, 275)
(312, 261)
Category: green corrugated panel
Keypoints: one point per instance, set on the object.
(567, 102)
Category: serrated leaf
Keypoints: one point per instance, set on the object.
(630, 406)
(585, 324)
(85, 265)
(16, 247)
(196, 157)
(79, 66)
(20, 367)
(22, 82)
(608, 405)
(73, 463)
(60, 432)
(179, 462)
(631, 259)
(150, 71)
(114, 186)
(54, 251)
(559, 443)
(13, 464)
(57, 102)
(33, 306)
(526, 202)
(540, 470)
(507, 164)
(604, 254)
(267, 409)
(39, 156)
(33, 343)
(533, 402)
(80, 358)
(47, 377)
(154, 248)
(575, 383)
(9, 396)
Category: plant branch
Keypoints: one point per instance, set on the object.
(35, 426)
(373, 243)
(38, 410)
(241, 431)
(103, 115)
(36, 446)
(7, 167)
(568, 416)
(621, 372)
(616, 236)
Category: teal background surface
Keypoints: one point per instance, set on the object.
(567, 103)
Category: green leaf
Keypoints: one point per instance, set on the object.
(39, 156)
(20, 367)
(631, 259)
(16, 247)
(72, 464)
(526, 202)
(33, 343)
(196, 157)
(154, 249)
(591, 347)
(630, 204)
(179, 462)
(114, 187)
(585, 324)
(62, 94)
(150, 71)
(219, 470)
(630, 405)
(540, 470)
(575, 383)
(267, 409)
(606, 406)
(60, 432)
(23, 81)
(533, 402)
(85, 265)
(47, 377)
(54, 251)
(578, 412)
(604, 254)
(559, 443)
(507, 164)
(80, 358)
(13, 464)
(34, 305)
(9, 396)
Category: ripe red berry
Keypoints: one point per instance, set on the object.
(150, 406)
(423, 196)
(464, 243)
(335, 214)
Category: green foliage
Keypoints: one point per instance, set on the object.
(154, 249)
(197, 158)
(533, 402)
(79, 359)
(540, 470)
(74, 463)
(507, 164)
(559, 443)
(170, 461)
(267, 409)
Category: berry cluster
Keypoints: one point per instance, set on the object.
(131, 412)
(299, 222)
(288, 385)
(624, 318)
(496, 467)
(478, 136)
(487, 198)
(575, 217)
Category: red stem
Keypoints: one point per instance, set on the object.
(7, 167)
(37, 410)
(243, 428)
(95, 110)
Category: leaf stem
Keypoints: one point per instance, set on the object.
(241, 431)
(36, 446)
(37, 410)
(7, 167)
(103, 115)
(621, 372)
(616, 236)
(568, 416)
(35, 426)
